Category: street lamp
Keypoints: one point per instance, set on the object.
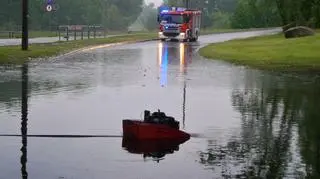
(24, 43)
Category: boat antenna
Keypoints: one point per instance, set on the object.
(141, 116)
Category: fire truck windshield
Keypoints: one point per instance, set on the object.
(172, 18)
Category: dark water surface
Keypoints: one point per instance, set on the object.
(244, 122)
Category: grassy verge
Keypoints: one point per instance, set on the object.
(14, 54)
(272, 52)
(216, 31)
(34, 34)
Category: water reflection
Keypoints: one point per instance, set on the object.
(163, 63)
(173, 54)
(167, 54)
(183, 71)
(154, 149)
(24, 119)
(10, 88)
(75, 75)
(279, 132)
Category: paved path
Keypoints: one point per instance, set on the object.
(9, 42)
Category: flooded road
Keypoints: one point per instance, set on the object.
(244, 122)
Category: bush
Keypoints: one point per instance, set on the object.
(221, 20)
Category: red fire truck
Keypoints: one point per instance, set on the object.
(179, 23)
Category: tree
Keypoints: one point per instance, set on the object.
(114, 14)
(255, 13)
(300, 12)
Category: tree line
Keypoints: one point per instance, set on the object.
(112, 14)
(256, 13)
(215, 13)
(121, 14)
(264, 13)
(234, 13)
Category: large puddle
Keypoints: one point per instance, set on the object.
(243, 122)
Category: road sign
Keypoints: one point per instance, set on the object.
(49, 8)
(50, 5)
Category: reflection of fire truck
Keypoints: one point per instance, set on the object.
(179, 23)
(170, 56)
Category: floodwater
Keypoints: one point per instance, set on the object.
(243, 122)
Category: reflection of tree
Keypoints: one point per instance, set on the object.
(309, 134)
(270, 108)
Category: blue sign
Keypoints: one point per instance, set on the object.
(50, 2)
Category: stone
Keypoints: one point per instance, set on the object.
(288, 26)
(299, 31)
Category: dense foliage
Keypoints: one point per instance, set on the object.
(113, 14)
(256, 13)
(302, 12)
(121, 14)
(216, 13)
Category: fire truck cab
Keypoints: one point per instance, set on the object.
(179, 24)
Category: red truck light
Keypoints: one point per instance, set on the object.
(161, 28)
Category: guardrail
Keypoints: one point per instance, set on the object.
(66, 31)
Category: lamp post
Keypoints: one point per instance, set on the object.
(24, 43)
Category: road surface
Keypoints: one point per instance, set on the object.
(10, 42)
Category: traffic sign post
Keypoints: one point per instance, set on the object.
(50, 6)
(25, 14)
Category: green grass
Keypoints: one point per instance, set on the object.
(34, 34)
(216, 30)
(14, 54)
(272, 52)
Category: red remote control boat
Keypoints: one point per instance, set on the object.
(154, 126)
